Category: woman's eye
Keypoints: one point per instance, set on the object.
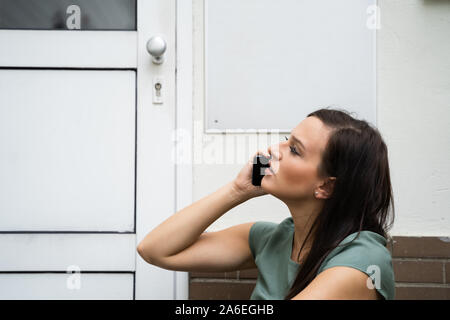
(293, 150)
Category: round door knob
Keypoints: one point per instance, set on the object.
(156, 46)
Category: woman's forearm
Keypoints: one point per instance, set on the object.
(184, 227)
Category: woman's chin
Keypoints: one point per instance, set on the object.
(265, 182)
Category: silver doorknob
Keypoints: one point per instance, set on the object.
(156, 46)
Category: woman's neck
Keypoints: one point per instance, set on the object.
(303, 215)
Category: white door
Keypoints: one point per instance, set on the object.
(85, 153)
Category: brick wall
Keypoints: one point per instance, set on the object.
(421, 267)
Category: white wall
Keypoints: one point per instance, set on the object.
(413, 103)
(414, 111)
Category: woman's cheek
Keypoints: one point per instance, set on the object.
(298, 176)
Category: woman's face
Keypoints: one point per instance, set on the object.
(295, 164)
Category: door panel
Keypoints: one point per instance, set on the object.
(90, 49)
(37, 286)
(67, 141)
(58, 252)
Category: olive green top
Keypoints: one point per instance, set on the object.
(271, 246)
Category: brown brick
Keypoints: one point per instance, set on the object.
(422, 293)
(421, 247)
(216, 275)
(211, 290)
(248, 274)
(418, 271)
(447, 272)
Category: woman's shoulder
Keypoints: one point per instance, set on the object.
(367, 252)
(268, 228)
(365, 237)
(263, 232)
(361, 247)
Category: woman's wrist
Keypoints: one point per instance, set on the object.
(236, 194)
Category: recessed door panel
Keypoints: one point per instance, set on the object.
(67, 150)
(63, 252)
(65, 286)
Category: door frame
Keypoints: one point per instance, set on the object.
(183, 105)
(181, 51)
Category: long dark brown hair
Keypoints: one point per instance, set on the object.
(358, 157)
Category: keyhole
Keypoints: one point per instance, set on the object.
(158, 89)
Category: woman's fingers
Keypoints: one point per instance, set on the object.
(264, 153)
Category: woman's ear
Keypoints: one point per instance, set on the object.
(326, 189)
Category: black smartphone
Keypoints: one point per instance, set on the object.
(260, 163)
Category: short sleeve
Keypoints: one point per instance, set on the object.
(259, 234)
(369, 256)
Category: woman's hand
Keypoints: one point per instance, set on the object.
(243, 182)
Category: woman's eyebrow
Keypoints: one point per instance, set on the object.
(298, 141)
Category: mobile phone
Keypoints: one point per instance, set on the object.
(260, 163)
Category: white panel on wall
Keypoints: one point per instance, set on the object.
(67, 150)
(57, 252)
(64, 286)
(269, 63)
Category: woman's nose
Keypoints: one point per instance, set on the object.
(274, 151)
(276, 155)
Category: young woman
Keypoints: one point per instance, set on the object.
(333, 175)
